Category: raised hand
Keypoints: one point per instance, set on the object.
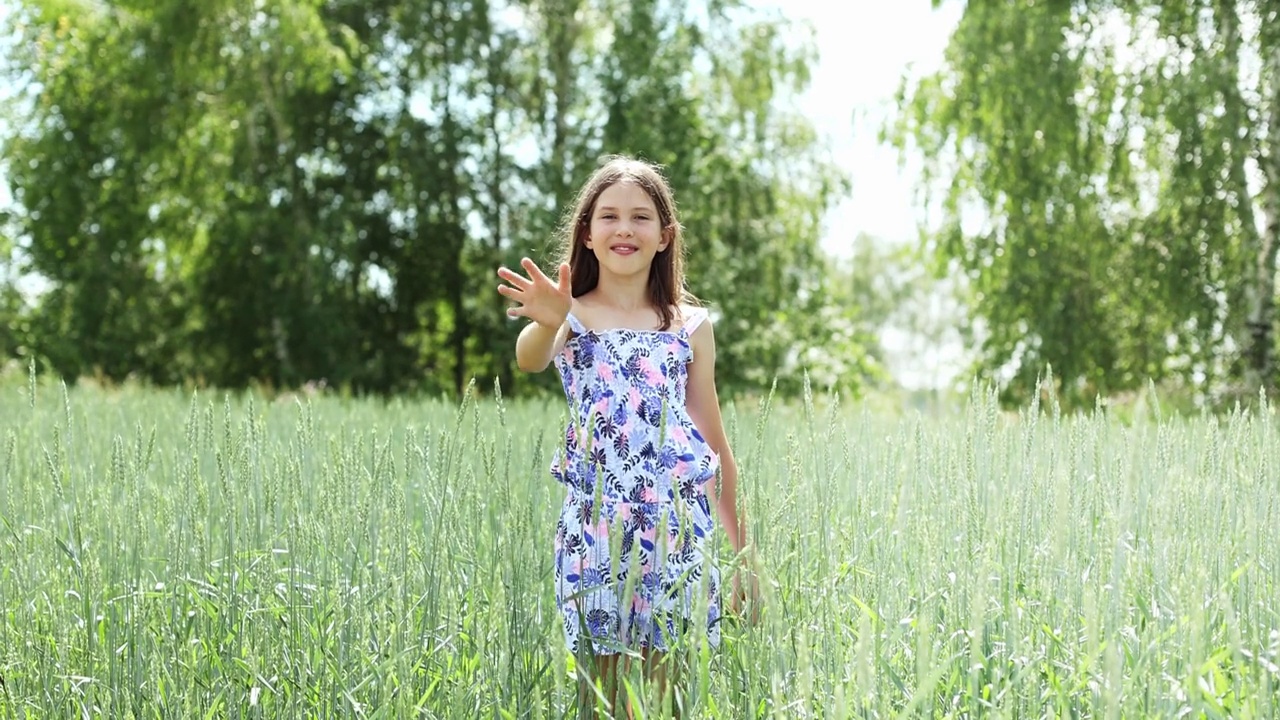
(541, 300)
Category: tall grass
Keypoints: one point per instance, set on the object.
(180, 555)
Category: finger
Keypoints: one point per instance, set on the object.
(514, 278)
(535, 273)
(564, 284)
(517, 311)
(513, 293)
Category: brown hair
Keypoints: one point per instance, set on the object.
(666, 274)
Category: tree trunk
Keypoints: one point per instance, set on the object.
(563, 26)
(282, 285)
(497, 203)
(451, 166)
(1260, 372)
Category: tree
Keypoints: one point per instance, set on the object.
(10, 299)
(321, 189)
(1122, 154)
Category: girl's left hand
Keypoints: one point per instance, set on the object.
(745, 593)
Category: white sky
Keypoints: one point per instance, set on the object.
(864, 48)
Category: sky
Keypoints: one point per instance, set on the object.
(864, 47)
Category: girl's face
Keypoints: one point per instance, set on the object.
(626, 231)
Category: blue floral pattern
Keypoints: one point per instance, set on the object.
(631, 562)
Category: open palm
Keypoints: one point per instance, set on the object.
(542, 300)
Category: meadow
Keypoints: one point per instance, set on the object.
(168, 553)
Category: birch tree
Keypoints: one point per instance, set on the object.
(1124, 156)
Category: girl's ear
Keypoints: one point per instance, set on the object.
(668, 236)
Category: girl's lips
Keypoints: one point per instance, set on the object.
(624, 249)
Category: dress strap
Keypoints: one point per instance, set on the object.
(575, 324)
(693, 319)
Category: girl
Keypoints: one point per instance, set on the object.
(636, 358)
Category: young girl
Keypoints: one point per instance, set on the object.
(637, 361)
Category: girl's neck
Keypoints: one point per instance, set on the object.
(624, 294)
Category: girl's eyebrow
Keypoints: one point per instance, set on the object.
(641, 208)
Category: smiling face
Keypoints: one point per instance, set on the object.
(627, 204)
(625, 232)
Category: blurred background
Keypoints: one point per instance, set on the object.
(901, 200)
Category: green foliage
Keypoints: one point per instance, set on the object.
(1111, 150)
(322, 191)
(10, 300)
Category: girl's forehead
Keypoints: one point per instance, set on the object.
(625, 194)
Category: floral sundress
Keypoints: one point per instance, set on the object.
(632, 567)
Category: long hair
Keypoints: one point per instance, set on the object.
(666, 274)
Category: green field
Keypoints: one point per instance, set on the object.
(165, 554)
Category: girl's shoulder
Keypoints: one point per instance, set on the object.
(690, 315)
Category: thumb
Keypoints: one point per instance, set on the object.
(564, 277)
